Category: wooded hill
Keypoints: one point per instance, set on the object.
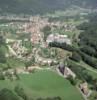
(41, 6)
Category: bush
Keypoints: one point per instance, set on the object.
(72, 80)
(50, 98)
(6, 94)
(2, 76)
(20, 91)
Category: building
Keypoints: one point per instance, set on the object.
(68, 72)
(65, 70)
(58, 38)
(84, 88)
(61, 67)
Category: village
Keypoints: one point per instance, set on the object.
(33, 29)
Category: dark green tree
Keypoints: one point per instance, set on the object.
(6, 94)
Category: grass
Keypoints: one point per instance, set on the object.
(62, 54)
(4, 48)
(13, 62)
(45, 84)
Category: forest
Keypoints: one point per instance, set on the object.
(42, 6)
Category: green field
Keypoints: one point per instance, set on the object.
(45, 84)
(13, 63)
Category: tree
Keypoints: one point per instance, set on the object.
(1, 76)
(76, 57)
(88, 50)
(20, 91)
(95, 84)
(2, 57)
(6, 94)
(89, 60)
(63, 46)
(2, 41)
(72, 80)
(47, 31)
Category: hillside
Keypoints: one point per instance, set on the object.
(41, 6)
(31, 6)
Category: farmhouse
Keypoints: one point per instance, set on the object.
(84, 88)
(66, 71)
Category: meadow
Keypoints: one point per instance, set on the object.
(44, 84)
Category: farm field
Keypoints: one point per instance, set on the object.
(44, 84)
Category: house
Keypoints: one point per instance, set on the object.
(64, 70)
(84, 88)
(68, 72)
